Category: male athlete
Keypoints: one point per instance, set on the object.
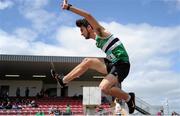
(115, 66)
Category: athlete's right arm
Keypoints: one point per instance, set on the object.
(100, 30)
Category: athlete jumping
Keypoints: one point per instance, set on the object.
(115, 66)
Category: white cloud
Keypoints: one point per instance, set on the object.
(25, 34)
(24, 43)
(34, 11)
(70, 38)
(42, 20)
(5, 4)
(12, 44)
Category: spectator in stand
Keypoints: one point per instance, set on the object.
(34, 104)
(51, 111)
(18, 100)
(19, 106)
(39, 113)
(42, 93)
(25, 101)
(27, 92)
(160, 113)
(104, 100)
(2, 106)
(18, 92)
(100, 110)
(9, 105)
(38, 96)
(6, 96)
(117, 107)
(57, 112)
(75, 96)
(16, 106)
(68, 110)
(175, 113)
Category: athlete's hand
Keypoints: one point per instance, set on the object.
(64, 5)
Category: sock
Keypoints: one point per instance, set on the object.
(64, 81)
(129, 97)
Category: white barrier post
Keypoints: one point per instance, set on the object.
(91, 99)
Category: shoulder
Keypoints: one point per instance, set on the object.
(103, 34)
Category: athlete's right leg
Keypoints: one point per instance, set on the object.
(87, 63)
(108, 87)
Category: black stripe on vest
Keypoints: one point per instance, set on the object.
(111, 44)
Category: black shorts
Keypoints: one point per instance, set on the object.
(119, 69)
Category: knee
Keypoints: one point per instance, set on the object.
(87, 62)
(105, 89)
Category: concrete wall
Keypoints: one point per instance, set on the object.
(34, 86)
(75, 87)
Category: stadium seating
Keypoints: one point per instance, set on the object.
(44, 105)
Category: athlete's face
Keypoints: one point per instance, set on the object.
(85, 32)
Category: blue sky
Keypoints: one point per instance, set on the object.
(149, 29)
(124, 11)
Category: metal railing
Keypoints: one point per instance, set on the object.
(146, 108)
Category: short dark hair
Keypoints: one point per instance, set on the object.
(82, 22)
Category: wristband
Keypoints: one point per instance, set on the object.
(69, 5)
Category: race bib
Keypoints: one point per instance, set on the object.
(110, 56)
